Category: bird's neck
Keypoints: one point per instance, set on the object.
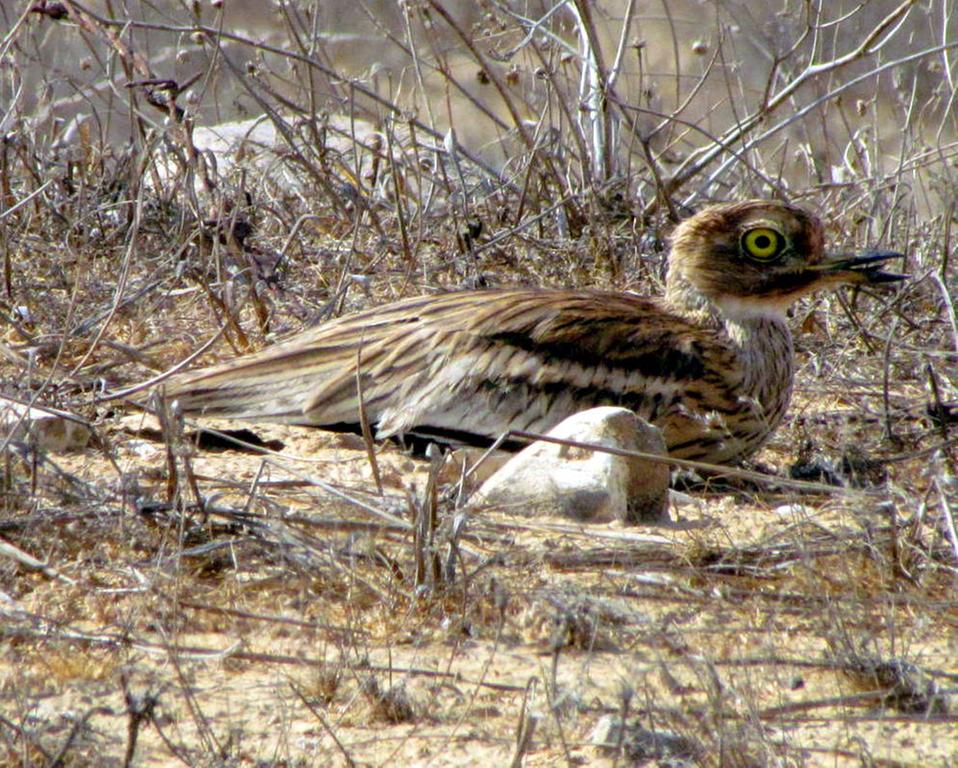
(759, 333)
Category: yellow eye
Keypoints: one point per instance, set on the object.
(763, 243)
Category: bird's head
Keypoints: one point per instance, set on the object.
(756, 258)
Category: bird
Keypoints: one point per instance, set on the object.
(710, 363)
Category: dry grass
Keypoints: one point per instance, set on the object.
(205, 605)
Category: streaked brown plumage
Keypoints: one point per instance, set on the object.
(710, 363)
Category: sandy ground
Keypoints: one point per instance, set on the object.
(739, 627)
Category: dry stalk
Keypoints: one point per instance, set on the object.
(326, 726)
(714, 470)
(947, 487)
(364, 424)
(526, 726)
(29, 561)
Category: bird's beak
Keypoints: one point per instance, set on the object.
(858, 270)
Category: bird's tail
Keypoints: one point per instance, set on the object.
(262, 387)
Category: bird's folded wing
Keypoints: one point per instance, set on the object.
(470, 361)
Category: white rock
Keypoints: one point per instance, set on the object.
(584, 484)
(46, 428)
(142, 449)
(258, 147)
(790, 510)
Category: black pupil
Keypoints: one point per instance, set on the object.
(762, 242)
